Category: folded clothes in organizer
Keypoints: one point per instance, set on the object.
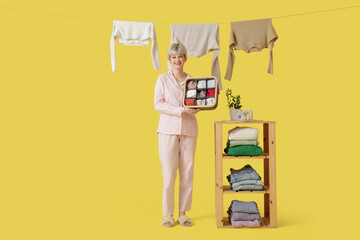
(191, 84)
(244, 150)
(189, 101)
(243, 133)
(201, 84)
(191, 93)
(201, 94)
(210, 92)
(210, 101)
(200, 102)
(211, 83)
(234, 143)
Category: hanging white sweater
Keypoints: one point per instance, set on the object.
(135, 33)
(199, 40)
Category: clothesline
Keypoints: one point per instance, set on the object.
(105, 19)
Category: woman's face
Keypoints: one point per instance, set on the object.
(177, 60)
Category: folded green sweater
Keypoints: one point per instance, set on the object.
(244, 150)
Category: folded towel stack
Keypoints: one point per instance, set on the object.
(242, 141)
(244, 214)
(245, 179)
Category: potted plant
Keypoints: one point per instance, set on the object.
(234, 105)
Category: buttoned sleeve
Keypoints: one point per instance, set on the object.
(160, 103)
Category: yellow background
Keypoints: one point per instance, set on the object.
(79, 154)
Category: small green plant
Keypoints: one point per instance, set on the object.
(233, 102)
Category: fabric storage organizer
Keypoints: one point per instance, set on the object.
(201, 93)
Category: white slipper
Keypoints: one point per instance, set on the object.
(183, 219)
(168, 219)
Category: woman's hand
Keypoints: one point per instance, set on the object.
(190, 111)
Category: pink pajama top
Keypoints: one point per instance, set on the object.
(168, 101)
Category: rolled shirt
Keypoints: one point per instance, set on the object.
(189, 101)
(210, 101)
(191, 93)
(191, 84)
(201, 94)
(210, 92)
(200, 102)
(201, 84)
(211, 83)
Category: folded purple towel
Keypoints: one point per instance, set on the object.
(255, 223)
(244, 216)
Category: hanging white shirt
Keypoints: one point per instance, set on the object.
(135, 33)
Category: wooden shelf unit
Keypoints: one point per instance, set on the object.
(269, 177)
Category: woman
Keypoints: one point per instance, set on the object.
(177, 132)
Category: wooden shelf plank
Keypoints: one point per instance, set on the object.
(225, 156)
(227, 224)
(243, 122)
(227, 190)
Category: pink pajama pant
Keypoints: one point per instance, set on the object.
(177, 152)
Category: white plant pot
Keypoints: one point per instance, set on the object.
(237, 115)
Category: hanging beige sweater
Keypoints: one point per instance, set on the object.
(199, 40)
(250, 36)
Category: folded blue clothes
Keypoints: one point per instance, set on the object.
(245, 173)
(246, 168)
(245, 207)
(250, 187)
(247, 182)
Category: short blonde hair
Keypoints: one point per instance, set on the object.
(175, 48)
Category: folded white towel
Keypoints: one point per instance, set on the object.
(210, 101)
(243, 133)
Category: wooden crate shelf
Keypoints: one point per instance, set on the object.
(227, 224)
(269, 175)
(227, 190)
(225, 156)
